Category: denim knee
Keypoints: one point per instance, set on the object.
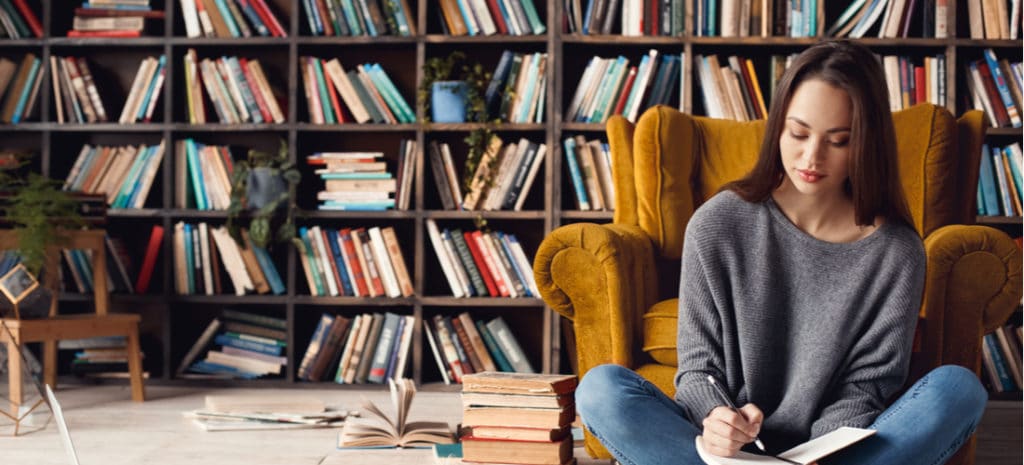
(598, 389)
(960, 390)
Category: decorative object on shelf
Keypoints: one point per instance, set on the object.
(264, 185)
(20, 291)
(448, 80)
(35, 206)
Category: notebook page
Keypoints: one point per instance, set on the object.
(813, 450)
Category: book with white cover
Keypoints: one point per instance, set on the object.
(806, 453)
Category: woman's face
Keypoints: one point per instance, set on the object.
(815, 139)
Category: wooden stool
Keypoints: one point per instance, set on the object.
(57, 327)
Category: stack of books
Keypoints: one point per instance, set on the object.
(98, 357)
(1000, 182)
(511, 170)
(518, 88)
(144, 93)
(518, 418)
(230, 18)
(1001, 359)
(76, 92)
(732, 91)
(994, 86)
(479, 17)
(203, 175)
(463, 346)
(360, 181)
(367, 348)
(238, 345)
(112, 18)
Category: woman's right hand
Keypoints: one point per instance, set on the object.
(727, 430)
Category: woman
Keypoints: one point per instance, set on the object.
(799, 295)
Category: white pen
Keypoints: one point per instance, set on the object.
(728, 401)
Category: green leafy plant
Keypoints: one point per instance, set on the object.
(37, 209)
(263, 185)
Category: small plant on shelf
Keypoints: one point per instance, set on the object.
(35, 207)
(263, 185)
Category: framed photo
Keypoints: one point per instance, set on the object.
(17, 283)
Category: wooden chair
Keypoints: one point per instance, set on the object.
(57, 327)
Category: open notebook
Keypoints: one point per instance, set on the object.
(62, 426)
(803, 454)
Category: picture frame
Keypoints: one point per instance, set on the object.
(17, 283)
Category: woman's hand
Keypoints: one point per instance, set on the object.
(727, 430)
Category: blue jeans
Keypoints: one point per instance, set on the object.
(640, 425)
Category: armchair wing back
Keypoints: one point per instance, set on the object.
(624, 307)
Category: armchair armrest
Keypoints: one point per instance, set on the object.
(602, 277)
(972, 285)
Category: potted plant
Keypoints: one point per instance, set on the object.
(36, 207)
(263, 185)
(452, 90)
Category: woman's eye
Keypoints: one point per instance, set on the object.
(840, 143)
(798, 136)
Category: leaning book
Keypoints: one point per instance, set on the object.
(377, 429)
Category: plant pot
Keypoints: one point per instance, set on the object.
(265, 185)
(448, 101)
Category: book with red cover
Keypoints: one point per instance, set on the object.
(108, 12)
(499, 19)
(348, 252)
(626, 88)
(920, 85)
(30, 17)
(492, 265)
(335, 104)
(263, 11)
(113, 34)
(156, 237)
(474, 250)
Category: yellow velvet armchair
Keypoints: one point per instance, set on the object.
(618, 283)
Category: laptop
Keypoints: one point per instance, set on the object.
(62, 426)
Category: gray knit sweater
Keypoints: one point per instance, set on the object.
(816, 334)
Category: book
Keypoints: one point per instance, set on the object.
(519, 383)
(806, 453)
(380, 430)
(525, 452)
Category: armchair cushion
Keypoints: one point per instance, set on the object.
(660, 326)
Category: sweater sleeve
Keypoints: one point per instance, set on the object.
(878, 363)
(699, 337)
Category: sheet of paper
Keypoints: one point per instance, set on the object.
(741, 458)
(813, 450)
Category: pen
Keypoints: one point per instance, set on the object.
(728, 402)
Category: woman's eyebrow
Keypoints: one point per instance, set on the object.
(802, 123)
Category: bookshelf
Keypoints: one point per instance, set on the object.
(171, 323)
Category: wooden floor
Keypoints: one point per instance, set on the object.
(109, 429)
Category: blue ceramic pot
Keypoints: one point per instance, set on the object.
(448, 101)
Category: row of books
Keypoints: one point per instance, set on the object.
(360, 181)
(198, 268)
(518, 88)
(1001, 359)
(487, 17)
(994, 86)
(610, 86)
(238, 344)
(512, 418)
(511, 171)
(19, 87)
(144, 93)
(462, 346)
(751, 18)
(230, 18)
(75, 91)
(112, 18)
(361, 262)
(367, 91)
(237, 89)
(1000, 185)
(78, 267)
(994, 19)
(477, 263)
(910, 84)
(368, 348)
(18, 21)
(731, 91)
(895, 19)
(202, 175)
(590, 170)
(105, 356)
(359, 18)
(124, 174)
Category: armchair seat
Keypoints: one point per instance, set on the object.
(618, 283)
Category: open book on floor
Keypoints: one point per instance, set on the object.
(803, 454)
(378, 429)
